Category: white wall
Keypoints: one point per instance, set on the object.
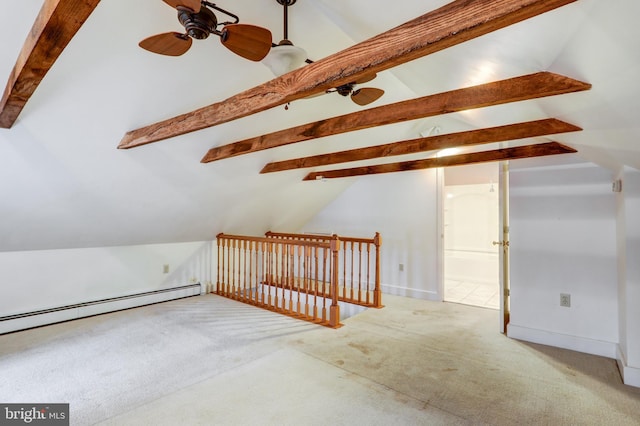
(628, 203)
(563, 240)
(471, 223)
(403, 208)
(35, 280)
(471, 217)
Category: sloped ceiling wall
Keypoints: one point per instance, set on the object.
(64, 184)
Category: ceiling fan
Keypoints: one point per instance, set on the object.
(285, 57)
(199, 21)
(363, 96)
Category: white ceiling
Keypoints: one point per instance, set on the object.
(63, 183)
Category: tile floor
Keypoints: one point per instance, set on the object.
(480, 294)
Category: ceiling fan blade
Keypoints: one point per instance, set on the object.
(248, 41)
(366, 78)
(366, 95)
(170, 44)
(193, 5)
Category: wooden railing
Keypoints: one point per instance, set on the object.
(301, 275)
(291, 276)
(359, 266)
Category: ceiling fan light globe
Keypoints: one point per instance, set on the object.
(284, 58)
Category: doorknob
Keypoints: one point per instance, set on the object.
(501, 243)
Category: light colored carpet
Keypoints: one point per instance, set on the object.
(209, 360)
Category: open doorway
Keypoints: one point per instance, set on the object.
(471, 227)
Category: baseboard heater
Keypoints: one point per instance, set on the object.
(81, 310)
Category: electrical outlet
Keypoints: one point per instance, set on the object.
(165, 269)
(565, 300)
(401, 267)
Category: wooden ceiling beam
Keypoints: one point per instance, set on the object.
(454, 23)
(56, 24)
(527, 151)
(500, 92)
(473, 137)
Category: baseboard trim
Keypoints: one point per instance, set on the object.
(43, 317)
(565, 341)
(630, 375)
(409, 292)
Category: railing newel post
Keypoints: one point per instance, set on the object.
(377, 292)
(334, 309)
(263, 262)
(228, 278)
(218, 237)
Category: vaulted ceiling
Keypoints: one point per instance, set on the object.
(64, 183)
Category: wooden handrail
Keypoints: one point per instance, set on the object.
(286, 235)
(271, 234)
(300, 242)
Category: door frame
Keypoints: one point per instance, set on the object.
(440, 230)
(503, 200)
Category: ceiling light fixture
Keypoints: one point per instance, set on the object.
(285, 57)
(447, 152)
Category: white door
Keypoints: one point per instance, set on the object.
(504, 244)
